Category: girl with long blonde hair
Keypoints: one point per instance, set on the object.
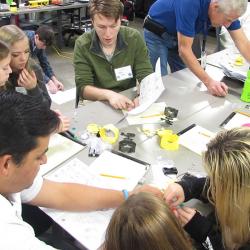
(227, 188)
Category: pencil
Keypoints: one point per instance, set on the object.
(204, 134)
(112, 176)
(243, 113)
(154, 115)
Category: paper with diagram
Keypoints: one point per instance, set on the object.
(151, 87)
(109, 170)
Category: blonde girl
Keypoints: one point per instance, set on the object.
(227, 188)
(26, 76)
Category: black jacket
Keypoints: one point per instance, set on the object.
(200, 228)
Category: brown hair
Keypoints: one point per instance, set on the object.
(144, 222)
(227, 162)
(4, 50)
(107, 8)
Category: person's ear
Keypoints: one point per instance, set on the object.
(5, 164)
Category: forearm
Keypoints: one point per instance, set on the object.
(241, 42)
(96, 94)
(245, 50)
(190, 60)
(77, 197)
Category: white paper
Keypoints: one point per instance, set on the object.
(114, 165)
(227, 63)
(152, 115)
(238, 120)
(60, 150)
(151, 88)
(87, 227)
(63, 96)
(196, 139)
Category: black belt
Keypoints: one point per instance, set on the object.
(154, 26)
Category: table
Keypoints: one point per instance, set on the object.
(49, 8)
(182, 91)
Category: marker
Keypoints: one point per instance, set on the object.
(186, 129)
(227, 119)
(154, 115)
(112, 176)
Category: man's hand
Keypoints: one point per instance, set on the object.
(136, 102)
(119, 101)
(148, 189)
(174, 195)
(51, 87)
(64, 122)
(217, 88)
(58, 84)
(185, 214)
(27, 79)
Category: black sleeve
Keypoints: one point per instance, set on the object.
(193, 187)
(40, 91)
(204, 231)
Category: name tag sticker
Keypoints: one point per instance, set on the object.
(123, 73)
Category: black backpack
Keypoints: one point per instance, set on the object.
(129, 9)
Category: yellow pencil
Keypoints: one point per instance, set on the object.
(204, 134)
(243, 113)
(154, 115)
(112, 176)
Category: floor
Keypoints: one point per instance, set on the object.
(62, 61)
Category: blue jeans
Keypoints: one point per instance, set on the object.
(165, 47)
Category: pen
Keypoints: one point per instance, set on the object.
(153, 115)
(70, 133)
(227, 119)
(186, 129)
(72, 138)
(112, 176)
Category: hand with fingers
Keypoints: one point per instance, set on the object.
(217, 88)
(185, 214)
(174, 194)
(119, 101)
(58, 84)
(27, 79)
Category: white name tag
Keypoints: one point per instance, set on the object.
(123, 73)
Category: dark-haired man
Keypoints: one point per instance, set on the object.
(38, 41)
(25, 129)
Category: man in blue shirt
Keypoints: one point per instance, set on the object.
(38, 42)
(171, 25)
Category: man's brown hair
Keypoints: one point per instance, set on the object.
(107, 8)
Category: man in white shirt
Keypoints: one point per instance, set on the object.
(25, 129)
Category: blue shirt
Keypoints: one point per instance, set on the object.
(189, 17)
(40, 54)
